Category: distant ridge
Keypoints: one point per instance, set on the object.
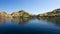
(4, 15)
(23, 13)
(55, 12)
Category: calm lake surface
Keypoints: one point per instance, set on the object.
(29, 25)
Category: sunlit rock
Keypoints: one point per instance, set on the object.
(21, 13)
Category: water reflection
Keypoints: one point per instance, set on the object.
(54, 20)
(3, 20)
(15, 20)
(35, 25)
(21, 20)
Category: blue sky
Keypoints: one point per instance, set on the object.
(30, 6)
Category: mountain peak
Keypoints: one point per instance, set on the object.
(21, 11)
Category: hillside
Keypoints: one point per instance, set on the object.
(4, 15)
(55, 12)
(21, 13)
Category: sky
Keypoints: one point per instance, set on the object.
(30, 6)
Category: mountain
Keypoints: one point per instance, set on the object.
(21, 13)
(4, 15)
(55, 12)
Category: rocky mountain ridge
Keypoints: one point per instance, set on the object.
(55, 12)
(23, 13)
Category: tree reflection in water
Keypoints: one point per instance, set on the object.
(54, 20)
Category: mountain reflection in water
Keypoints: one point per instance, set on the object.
(15, 20)
(3, 20)
(21, 20)
(54, 20)
(30, 25)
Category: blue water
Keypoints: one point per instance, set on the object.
(33, 26)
